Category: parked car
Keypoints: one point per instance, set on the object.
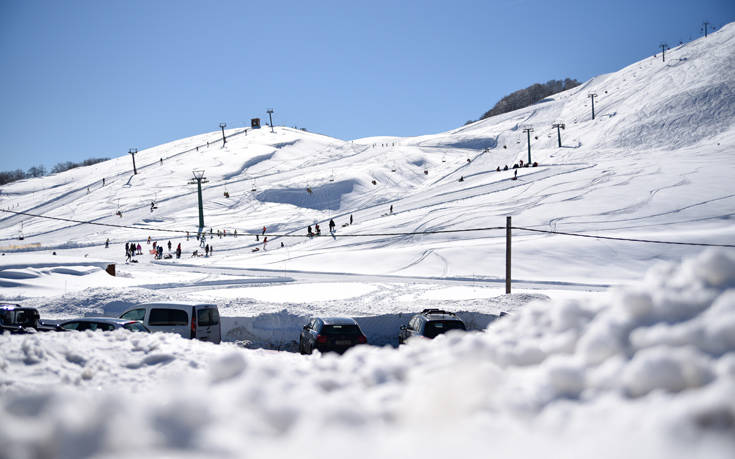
(18, 319)
(101, 324)
(330, 334)
(195, 321)
(429, 324)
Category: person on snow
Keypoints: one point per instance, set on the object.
(107, 243)
(318, 230)
(264, 230)
(127, 252)
(178, 250)
(265, 240)
(140, 249)
(211, 250)
(169, 246)
(308, 232)
(350, 219)
(391, 209)
(331, 225)
(201, 240)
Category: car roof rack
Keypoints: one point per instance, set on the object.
(437, 311)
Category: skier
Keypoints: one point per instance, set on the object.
(206, 250)
(140, 249)
(318, 230)
(169, 246)
(201, 240)
(178, 250)
(127, 252)
(149, 240)
(350, 219)
(265, 240)
(391, 209)
(107, 243)
(235, 233)
(331, 225)
(103, 181)
(308, 232)
(264, 230)
(211, 250)
(187, 235)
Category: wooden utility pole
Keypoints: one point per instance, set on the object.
(507, 255)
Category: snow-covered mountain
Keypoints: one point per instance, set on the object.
(641, 371)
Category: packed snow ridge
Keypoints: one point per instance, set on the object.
(649, 371)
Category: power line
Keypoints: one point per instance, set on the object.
(612, 238)
(408, 233)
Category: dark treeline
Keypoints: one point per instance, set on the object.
(529, 96)
(40, 171)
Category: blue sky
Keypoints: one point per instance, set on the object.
(82, 79)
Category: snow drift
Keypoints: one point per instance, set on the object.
(650, 373)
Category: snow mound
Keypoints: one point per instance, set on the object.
(321, 197)
(649, 372)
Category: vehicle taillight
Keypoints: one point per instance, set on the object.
(361, 339)
(193, 325)
(321, 339)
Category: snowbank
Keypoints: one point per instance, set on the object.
(649, 372)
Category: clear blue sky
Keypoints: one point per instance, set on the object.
(82, 79)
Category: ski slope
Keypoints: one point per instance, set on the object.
(610, 347)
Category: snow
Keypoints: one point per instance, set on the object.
(604, 349)
(536, 382)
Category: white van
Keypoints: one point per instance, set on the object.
(200, 321)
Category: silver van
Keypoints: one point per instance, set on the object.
(200, 321)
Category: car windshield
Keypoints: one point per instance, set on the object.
(437, 327)
(136, 327)
(341, 330)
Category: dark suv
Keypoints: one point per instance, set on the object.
(330, 334)
(17, 319)
(430, 323)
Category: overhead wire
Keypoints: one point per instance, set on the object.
(401, 233)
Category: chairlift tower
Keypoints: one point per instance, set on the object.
(528, 130)
(132, 152)
(224, 139)
(198, 180)
(663, 47)
(592, 96)
(270, 117)
(558, 126)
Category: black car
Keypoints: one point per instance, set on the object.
(330, 334)
(101, 324)
(429, 324)
(17, 319)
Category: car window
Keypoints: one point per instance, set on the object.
(104, 326)
(437, 327)
(135, 314)
(207, 317)
(70, 326)
(168, 317)
(136, 327)
(82, 326)
(340, 330)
